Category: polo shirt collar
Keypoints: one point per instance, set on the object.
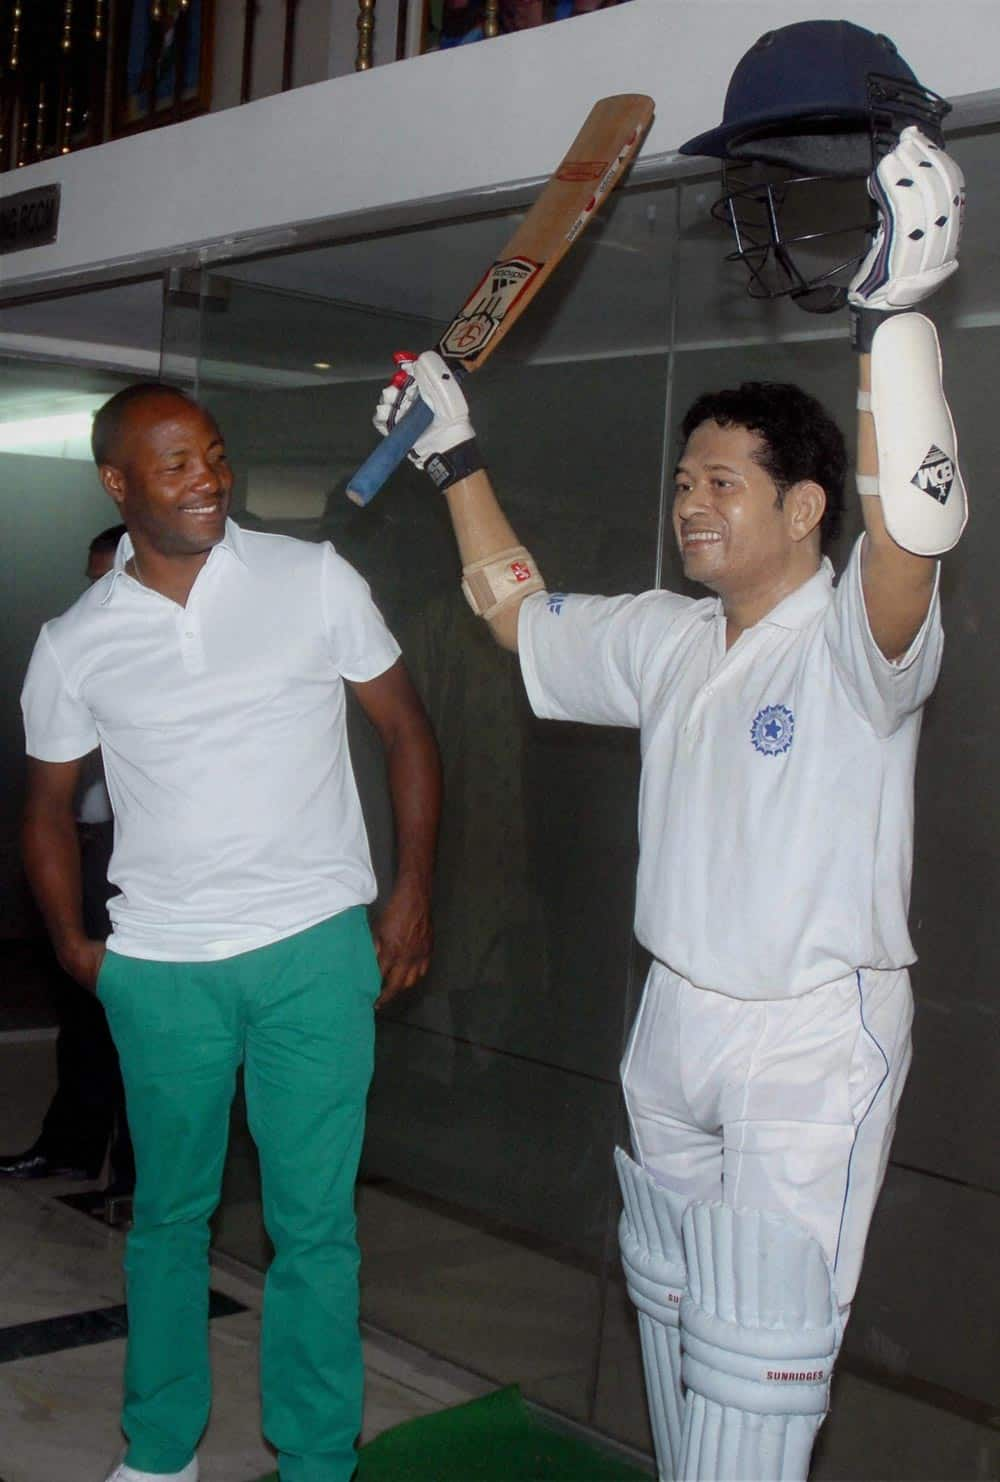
(231, 542)
(800, 606)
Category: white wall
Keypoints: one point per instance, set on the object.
(472, 119)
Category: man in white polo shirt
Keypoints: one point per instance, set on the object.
(210, 666)
(779, 721)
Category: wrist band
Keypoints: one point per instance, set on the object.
(864, 323)
(457, 463)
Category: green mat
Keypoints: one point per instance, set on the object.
(495, 1439)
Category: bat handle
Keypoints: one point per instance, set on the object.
(389, 454)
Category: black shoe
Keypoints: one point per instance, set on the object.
(33, 1164)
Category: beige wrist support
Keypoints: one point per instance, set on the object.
(498, 579)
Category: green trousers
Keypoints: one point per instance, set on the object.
(298, 1015)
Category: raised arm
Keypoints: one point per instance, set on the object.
(898, 585)
(497, 572)
(913, 497)
(403, 933)
(52, 863)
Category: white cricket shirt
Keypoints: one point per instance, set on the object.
(222, 727)
(776, 801)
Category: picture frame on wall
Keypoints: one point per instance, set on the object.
(447, 23)
(163, 63)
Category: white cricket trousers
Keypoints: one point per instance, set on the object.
(787, 1105)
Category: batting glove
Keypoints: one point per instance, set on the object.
(428, 377)
(920, 194)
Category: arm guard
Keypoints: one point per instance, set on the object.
(504, 577)
(919, 481)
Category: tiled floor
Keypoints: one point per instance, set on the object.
(58, 1409)
(471, 1295)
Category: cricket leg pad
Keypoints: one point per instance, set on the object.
(760, 1332)
(920, 484)
(653, 1259)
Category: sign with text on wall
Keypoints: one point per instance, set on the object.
(30, 218)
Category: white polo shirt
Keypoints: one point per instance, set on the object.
(222, 727)
(776, 801)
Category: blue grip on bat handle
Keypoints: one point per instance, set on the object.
(389, 454)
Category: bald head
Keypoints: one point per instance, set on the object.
(111, 420)
(162, 459)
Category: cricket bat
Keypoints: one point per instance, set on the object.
(593, 166)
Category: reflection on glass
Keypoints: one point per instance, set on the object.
(51, 507)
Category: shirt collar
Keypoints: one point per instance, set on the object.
(800, 606)
(231, 542)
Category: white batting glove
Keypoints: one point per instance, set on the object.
(428, 377)
(920, 194)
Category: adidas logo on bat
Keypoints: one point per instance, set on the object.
(485, 310)
(510, 274)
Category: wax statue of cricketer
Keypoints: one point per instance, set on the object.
(779, 720)
(210, 665)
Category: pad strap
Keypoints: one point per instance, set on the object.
(498, 579)
(759, 1325)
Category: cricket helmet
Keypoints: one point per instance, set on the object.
(817, 101)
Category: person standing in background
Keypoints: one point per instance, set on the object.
(87, 1111)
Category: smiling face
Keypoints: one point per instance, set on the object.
(169, 475)
(731, 531)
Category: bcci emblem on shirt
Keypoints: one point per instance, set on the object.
(772, 730)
